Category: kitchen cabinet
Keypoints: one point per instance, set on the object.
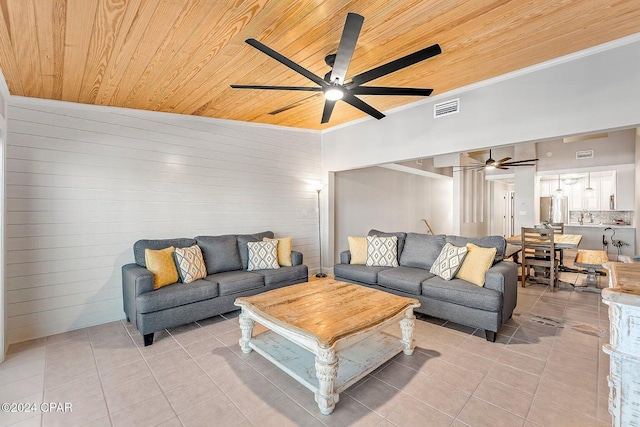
(603, 184)
(625, 190)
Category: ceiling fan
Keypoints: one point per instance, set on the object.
(334, 86)
(491, 164)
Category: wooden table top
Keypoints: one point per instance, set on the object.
(561, 241)
(327, 309)
(626, 276)
(591, 258)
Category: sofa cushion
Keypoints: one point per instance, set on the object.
(190, 264)
(156, 244)
(461, 292)
(399, 234)
(358, 250)
(285, 245)
(421, 250)
(358, 273)
(405, 279)
(162, 265)
(476, 263)
(176, 295)
(449, 261)
(233, 282)
(242, 244)
(382, 251)
(220, 253)
(498, 242)
(263, 255)
(284, 275)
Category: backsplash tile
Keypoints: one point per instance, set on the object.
(604, 217)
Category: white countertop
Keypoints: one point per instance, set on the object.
(597, 225)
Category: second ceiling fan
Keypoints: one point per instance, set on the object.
(503, 163)
(334, 86)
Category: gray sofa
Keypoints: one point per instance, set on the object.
(484, 307)
(226, 259)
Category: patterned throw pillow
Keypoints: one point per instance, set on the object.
(449, 261)
(285, 246)
(161, 264)
(190, 264)
(263, 255)
(382, 251)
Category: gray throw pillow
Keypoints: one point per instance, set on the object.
(421, 250)
(220, 253)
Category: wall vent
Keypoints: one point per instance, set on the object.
(586, 154)
(445, 108)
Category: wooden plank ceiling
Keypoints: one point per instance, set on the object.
(181, 56)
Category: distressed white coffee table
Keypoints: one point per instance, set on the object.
(327, 334)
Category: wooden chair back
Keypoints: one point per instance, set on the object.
(539, 254)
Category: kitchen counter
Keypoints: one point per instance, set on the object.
(594, 233)
(597, 225)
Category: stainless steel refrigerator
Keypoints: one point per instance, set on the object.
(554, 209)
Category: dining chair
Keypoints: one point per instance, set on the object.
(539, 261)
(558, 228)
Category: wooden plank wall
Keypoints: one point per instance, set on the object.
(84, 183)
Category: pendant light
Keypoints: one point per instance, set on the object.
(589, 192)
(558, 190)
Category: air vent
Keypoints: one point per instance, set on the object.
(586, 154)
(445, 108)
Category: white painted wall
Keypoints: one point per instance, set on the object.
(389, 200)
(84, 183)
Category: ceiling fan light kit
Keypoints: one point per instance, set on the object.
(334, 86)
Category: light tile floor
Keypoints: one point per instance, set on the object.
(547, 368)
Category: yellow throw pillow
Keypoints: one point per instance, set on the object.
(476, 263)
(358, 249)
(162, 265)
(285, 246)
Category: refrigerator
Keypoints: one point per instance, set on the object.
(554, 209)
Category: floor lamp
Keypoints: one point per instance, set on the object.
(321, 274)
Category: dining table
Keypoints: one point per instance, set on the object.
(561, 241)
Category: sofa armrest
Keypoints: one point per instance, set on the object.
(138, 280)
(503, 277)
(296, 258)
(345, 257)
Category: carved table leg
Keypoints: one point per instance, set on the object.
(407, 325)
(246, 326)
(327, 372)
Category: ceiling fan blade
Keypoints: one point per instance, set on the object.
(504, 160)
(395, 65)
(347, 45)
(381, 90)
(286, 61)
(328, 109)
(520, 164)
(502, 167)
(519, 161)
(349, 98)
(463, 168)
(302, 88)
(291, 105)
